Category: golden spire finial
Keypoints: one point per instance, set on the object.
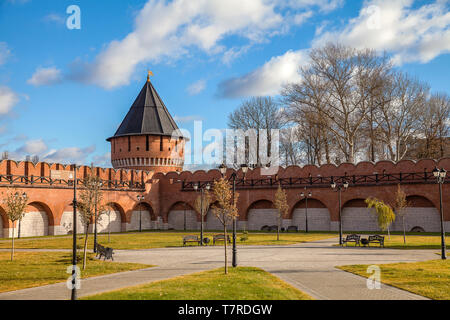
(149, 75)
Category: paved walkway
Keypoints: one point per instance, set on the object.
(309, 267)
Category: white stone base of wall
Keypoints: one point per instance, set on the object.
(318, 219)
(7, 232)
(142, 218)
(334, 225)
(426, 218)
(285, 223)
(257, 218)
(447, 226)
(241, 225)
(110, 222)
(33, 224)
(213, 223)
(177, 219)
(359, 219)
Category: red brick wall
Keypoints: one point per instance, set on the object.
(163, 191)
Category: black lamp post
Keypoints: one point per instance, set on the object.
(140, 198)
(223, 171)
(306, 195)
(99, 185)
(338, 188)
(202, 189)
(440, 178)
(74, 234)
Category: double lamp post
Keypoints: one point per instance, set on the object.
(223, 170)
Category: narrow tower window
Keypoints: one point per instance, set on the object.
(147, 145)
(129, 143)
(161, 143)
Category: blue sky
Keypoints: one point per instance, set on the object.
(63, 92)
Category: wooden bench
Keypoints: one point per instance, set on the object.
(292, 228)
(220, 237)
(376, 239)
(105, 252)
(191, 238)
(352, 238)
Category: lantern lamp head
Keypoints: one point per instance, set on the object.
(223, 169)
(436, 172)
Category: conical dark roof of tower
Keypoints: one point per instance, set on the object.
(148, 115)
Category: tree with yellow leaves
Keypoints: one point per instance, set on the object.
(399, 205)
(206, 202)
(282, 207)
(384, 212)
(15, 209)
(89, 204)
(226, 209)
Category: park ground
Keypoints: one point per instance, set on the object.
(304, 265)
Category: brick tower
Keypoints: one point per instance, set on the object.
(148, 138)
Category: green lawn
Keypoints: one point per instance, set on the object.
(242, 283)
(147, 240)
(412, 241)
(32, 269)
(429, 278)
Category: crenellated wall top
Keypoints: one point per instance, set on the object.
(327, 170)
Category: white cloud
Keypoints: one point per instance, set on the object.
(41, 149)
(233, 53)
(5, 52)
(167, 30)
(69, 155)
(268, 79)
(410, 34)
(33, 147)
(302, 17)
(8, 99)
(56, 18)
(103, 160)
(323, 5)
(45, 76)
(196, 87)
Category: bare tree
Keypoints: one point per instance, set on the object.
(89, 203)
(433, 131)
(260, 114)
(398, 113)
(336, 92)
(226, 209)
(15, 209)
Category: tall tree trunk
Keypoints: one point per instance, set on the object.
(327, 152)
(85, 247)
(257, 147)
(225, 241)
